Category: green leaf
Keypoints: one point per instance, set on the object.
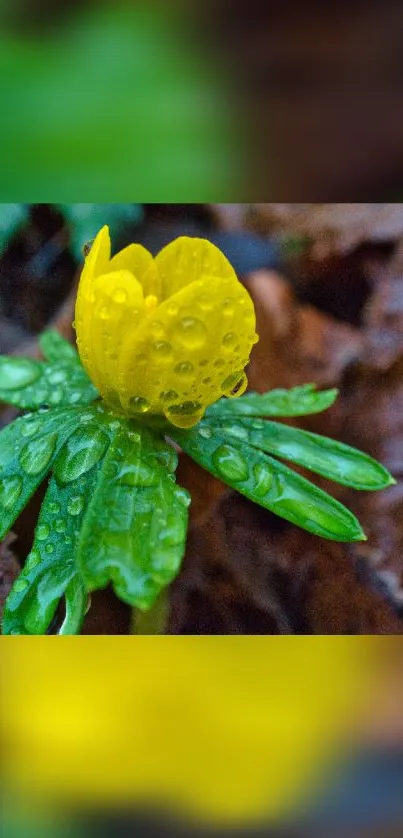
(56, 348)
(139, 544)
(50, 571)
(30, 384)
(269, 483)
(28, 449)
(299, 401)
(332, 459)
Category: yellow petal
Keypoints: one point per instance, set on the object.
(187, 259)
(96, 262)
(136, 259)
(118, 308)
(189, 352)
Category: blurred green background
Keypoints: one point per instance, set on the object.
(112, 100)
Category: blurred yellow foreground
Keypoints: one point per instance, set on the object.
(221, 729)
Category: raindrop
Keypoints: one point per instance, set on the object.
(234, 384)
(68, 539)
(183, 496)
(186, 414)
(54, 507)
(263, 478)
(104, 313)
(161, 350)
(16, 373)
(141, 475)
(137, 404)
(36, 455)
(141, 359)
(75, 506)
(191, 332)
(173, 309)
(184, 369)
(205, 432)
(42, 532)
(20, 585)
(29, 428)
(60, 525)
(50, 548)
(219, 362)
(236, 430)
(230, 464)
(56, 396)
(33, 559)
(81, 453)
(229, 340)
(10, 490)
(56, 377)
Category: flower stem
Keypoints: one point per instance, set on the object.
(155, 620)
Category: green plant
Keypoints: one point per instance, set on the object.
(113, 512)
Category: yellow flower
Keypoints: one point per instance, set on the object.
(168, 335)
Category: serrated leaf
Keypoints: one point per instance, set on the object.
(269, 483)
(56, 348)
(139, 545)
(332, 459)
(50, 572)
(299, 401)
(30, 384)
(28, 449)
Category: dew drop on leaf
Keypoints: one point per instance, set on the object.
(230, 464)
(81, 453)
(10, 490)
(76, 505)
(205, 432)
(263, 479)
(20, 585)
(17, 373)
(29, 428)
(42, 532)
(60, 525)
(36, 455)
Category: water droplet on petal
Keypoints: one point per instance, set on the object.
(138, 404)
(229, 340)
(16, 373)
(186, 414)
(230, 464)
(234, 384)
(156, 328)
(161, 350)
(10, 490)
(168, 396)
(81, 453)
(173, 309)
(75, 505)
(141, 359)
(185, 369)
(36, 455)
(42, 532)
(191, 332)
